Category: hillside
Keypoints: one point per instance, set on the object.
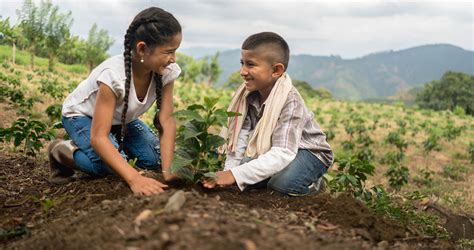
(374, 76)
(402, 179)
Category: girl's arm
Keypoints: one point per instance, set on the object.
(167, 139)
(101, 124)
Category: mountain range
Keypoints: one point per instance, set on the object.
(374, 76)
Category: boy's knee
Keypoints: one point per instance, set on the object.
(286, 186)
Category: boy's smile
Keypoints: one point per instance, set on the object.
(257, 71)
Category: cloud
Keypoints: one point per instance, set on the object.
(349, 28)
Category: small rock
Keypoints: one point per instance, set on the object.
(173, 227)
(106, 202)
(164, 236)
(383, 244)
(255, 213)
(293, 217)
(145, 214)
(249, 245)
(175, 202)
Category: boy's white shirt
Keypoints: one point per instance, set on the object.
(266, 165)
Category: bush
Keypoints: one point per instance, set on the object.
(31, 133)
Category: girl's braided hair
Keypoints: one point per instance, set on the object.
(155, 27)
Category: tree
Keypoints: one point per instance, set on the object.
(10, 34)
(57, 32)
(72, 51)
(203, 70)
(234, 80)
(324, 93)
(96, 46)
(455, 89)
(214, 70)
(33, 21)
(307, 91)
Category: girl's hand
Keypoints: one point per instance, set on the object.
(168, 176)
(142, 185)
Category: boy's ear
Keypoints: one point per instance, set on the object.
(278, 70)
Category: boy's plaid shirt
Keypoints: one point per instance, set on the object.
(295, 129)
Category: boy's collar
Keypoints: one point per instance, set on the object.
(253, 99)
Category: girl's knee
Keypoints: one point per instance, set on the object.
(148, 164)
(91, 163)
(150, 159)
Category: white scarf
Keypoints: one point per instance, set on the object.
(260, 141)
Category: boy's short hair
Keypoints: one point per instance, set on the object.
(272, 40)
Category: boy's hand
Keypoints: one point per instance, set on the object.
(224, 178)
(142, 185)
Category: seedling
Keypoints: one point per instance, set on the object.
(197, 156)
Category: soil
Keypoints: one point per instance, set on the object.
(102, 213)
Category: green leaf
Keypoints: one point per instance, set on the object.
(214, 141)
(210, 102)
(57, 125)
(132, 162)
(179, 162)
(220, 116)
(232, 114)
(353, 180)
(189, 148)
(190, 131)
(210, 175)
(188, 115)
(195, 107)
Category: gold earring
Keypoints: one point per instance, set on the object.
(141, 60)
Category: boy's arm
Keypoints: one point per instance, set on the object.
(233, 159)
(266, 165)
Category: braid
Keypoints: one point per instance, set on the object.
(154, 26)
(158, 91)
(127, 54)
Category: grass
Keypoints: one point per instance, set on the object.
(23, 58)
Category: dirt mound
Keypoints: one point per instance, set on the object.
(344, 211)
(102, 213)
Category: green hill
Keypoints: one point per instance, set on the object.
(375, 76)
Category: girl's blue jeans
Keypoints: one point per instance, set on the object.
(140, 143)
(297, 177)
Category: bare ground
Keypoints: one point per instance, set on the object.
(102, 213)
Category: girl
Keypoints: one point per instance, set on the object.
(101, 114)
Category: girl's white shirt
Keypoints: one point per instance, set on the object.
(111, 72)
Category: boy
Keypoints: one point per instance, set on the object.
(276, 142)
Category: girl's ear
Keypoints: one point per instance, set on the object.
(278, 70)
(140, 48)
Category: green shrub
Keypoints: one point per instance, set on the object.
(31, 133)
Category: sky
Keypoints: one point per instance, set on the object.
(349, 29)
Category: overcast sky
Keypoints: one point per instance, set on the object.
(349, 29)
